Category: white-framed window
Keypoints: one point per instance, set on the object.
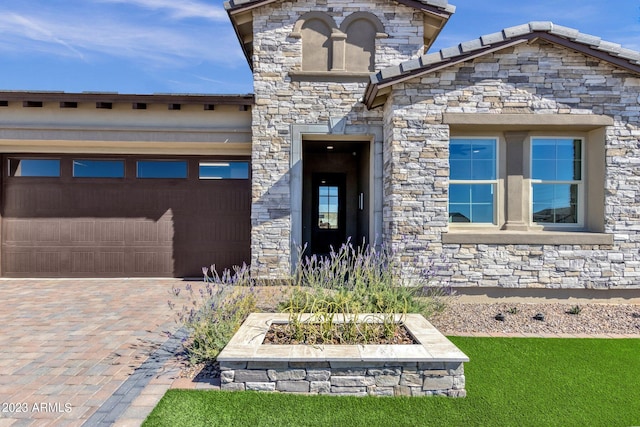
(473, 178)
(557, 181)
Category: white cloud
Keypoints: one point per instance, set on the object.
(32, 30)
(88, 35)
(179, 9)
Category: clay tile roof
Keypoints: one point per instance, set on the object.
(572, 38)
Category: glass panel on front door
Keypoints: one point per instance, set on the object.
(328, 207)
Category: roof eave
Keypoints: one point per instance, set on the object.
(114, 97)
(379, 82)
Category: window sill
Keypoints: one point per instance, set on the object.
(493, 237)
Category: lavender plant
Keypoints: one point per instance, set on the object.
(353, 281)
(214, 311)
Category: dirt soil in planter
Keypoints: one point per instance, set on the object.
(281, 334)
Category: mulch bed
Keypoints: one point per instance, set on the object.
(281, 334)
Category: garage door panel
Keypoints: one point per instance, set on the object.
(64, 227)
(82, 231)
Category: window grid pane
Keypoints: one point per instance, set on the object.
(472, 173)
(328, 207)
(555, 203)
(557, 172)
(471, 203)
(556, 159)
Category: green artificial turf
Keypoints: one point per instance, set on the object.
(510, 382)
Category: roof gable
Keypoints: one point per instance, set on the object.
(240, 13)
(381, 82)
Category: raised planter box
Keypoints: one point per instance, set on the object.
(434, 366)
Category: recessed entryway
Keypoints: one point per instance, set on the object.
(336, 194)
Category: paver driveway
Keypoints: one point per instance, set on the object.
(67, 345)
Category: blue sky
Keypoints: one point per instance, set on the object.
(188, 46)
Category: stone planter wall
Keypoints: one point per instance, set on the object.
(346, 379)
(432, 367)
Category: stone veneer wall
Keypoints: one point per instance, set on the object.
(281, 102)
(342, 379)
(537, 78)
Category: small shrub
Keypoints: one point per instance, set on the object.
(215, 312)
(513, 310)
(576, 309)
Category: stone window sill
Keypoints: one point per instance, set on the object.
(494, 237)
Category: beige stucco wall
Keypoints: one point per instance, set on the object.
(123, 130)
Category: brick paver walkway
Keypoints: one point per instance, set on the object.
(67, 346)
(93, 351)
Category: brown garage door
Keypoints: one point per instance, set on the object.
(86, 216)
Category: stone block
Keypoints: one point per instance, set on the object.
(320, 387)
(455, 368)
(318, 375)
(245, 375)
(293, 386)
(402, 390)
(227, 377)
(260, 386)
(410, 379)
(457, 393)
(233, 387)
(308, 365)
(380, 391)
(344, 369)
(232, 366)
(458, 382)
(348, 391)
(385, 371)
(387, 380)
(352, 381)
(431, 365)
(437, 383)
(288, 375)
(281, 366)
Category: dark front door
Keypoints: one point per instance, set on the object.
(328, 227)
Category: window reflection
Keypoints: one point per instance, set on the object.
(83, 168)
(224, 170)
(328, 207)
(34, 167)
(161, 169)
(557, 170)
(472, 172)
(555, 203)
